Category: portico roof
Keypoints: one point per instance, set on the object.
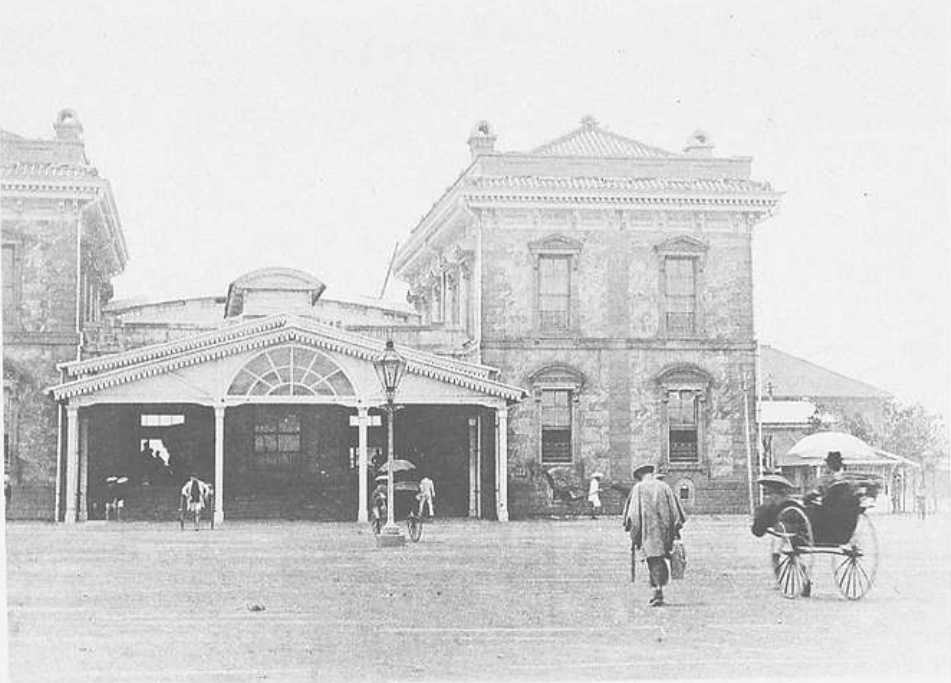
(97, 374)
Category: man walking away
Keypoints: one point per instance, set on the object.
(654, 518)
(427, 494)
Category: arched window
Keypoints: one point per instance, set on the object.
(683, 392)
(291, 370)
(557, 390)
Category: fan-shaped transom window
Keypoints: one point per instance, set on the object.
(292, 370)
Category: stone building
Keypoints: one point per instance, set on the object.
(612, 280)
(62, 245)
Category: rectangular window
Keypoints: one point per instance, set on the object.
(554, 292)
(8, 267)
(681, 296)
(682, 425)
(556, 426)
(161, 420)
(277, 439)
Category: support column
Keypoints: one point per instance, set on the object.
(82, 472)
(501, 463)
(478, 458)
(473, 466)
(219, 512)
(362, 418)
(72, 463)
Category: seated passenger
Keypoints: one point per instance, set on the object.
(834, 508)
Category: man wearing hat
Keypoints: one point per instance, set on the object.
(776, 496)
(653, 516)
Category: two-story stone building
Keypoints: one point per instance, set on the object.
(613, 281)
(62, 245)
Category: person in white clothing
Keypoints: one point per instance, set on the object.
(426, 495)
(594, 494)
(195, 495)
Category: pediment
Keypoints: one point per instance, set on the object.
(279, 332)
(555, 244)
(682, 244)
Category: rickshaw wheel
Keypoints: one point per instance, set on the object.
(854, 570)
(789, 563)
(414, 525)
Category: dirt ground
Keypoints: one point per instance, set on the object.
(539, 600)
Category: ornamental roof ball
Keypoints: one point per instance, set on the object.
(482, 129)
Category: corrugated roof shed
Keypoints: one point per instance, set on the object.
(789, 376)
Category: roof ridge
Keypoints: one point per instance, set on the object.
(596, 128)
(831, 372)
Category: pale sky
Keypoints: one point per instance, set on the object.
(314, 135)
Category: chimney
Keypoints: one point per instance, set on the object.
(67, 126)
(482, 139)
(699, 144)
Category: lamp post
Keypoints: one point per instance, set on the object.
(389, 369)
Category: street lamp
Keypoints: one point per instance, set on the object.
(390, 368)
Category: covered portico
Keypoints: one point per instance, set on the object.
(283, 400)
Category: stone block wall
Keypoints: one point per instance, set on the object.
(615, 344)
(617, 277)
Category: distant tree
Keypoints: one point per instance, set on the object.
(907, 430)
(911, 431)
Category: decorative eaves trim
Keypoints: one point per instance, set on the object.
(281, 335)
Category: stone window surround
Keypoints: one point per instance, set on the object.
(554, 378)
(683, 247)
(684, 376)
(555, 246)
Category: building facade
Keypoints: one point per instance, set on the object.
(611, 280)
(62, 245)
(581, 307)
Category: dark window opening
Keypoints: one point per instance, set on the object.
(554, 292)
(556, 426)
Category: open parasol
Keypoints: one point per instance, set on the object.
(818, 446)
(398, 466)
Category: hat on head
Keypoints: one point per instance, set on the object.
(773, 480)
(834, 458)
(597, 475)
(643, 468)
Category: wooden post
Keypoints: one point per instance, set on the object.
(362, 419)
(219, 513)
(72, 462)
(501, 463)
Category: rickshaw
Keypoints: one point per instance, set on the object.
(837, 526)
(405, 491)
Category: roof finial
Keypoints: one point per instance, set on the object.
(67, 126)
(482, 139)
(589, 122)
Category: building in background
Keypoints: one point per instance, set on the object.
(62, 245)
(798, 397)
